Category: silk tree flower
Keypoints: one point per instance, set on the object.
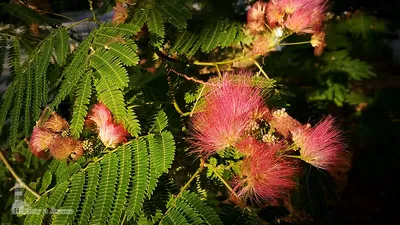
(228, 108)
(256, 16)
(112, 134)
(300, 16)
(282, 122)
(40, 141)
(64, 148)
(322, 145)
(99, 115)
(264, 176)
(318, 42)
(56, 123)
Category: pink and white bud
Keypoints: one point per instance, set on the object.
(112, 134)
(56, 123)
(322, 145)
(40, 141)
(264, 176)
(99, 115)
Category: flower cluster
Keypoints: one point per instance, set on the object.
(51, 136)
(266, 19)
(110, 132)
(234, 116)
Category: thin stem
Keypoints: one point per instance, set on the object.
(293, 156)
(197, 100)
(14, 174)
(79, 22)
(295, 43)
(219, 72)
(199, 170)
(212, 168)
(92, 10)
(259, 67)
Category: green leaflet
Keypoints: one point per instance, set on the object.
(140, 176)
(106, 189)
(81, 105)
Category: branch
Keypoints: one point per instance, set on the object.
(15, 175)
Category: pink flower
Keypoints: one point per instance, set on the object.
(40, 141)
(282, 122)
(263, 175)
(256, 16)
(227, 111)
(112, 134)
(261, 45)
(99, 115)
(321, 146)
(318, 42)
(300, 16)
(56, 123)
(275, 13)
(64, 148)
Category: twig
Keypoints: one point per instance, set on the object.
(212, 168)
(14, 174)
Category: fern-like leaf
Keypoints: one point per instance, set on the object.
(19, 93)
(81, 105)
(73, 71)
(28, 100)
(106, 189)
(206, 212)
(71, 203)
(46, 181)
(140, 175)
(90, 193)
(42, 60)
(3, 51)
(37, 218)
(155, 22)
(58, 194)
(228, 34)
(61, 45)
(110, 68)
(175, 13)
(212, 39)
(124, 174)
(139, 18)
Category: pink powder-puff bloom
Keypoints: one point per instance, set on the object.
(56, 123)
(256, 16)
(99, 115)
(321, 146)
(303, 21)
(112, 134)
(40, 141)
(264, 176)
(65, 148)
(228, 108)
(282, 122)
(262, 45)
(307, 19)
(275, 14)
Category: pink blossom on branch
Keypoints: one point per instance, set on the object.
(282, 122)
(228, 109)
(264, 176)
(112, 134)
(56, 123)
(40, 141)
(99, 115)
(256, 16)
(64, 148)
(322, 145)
